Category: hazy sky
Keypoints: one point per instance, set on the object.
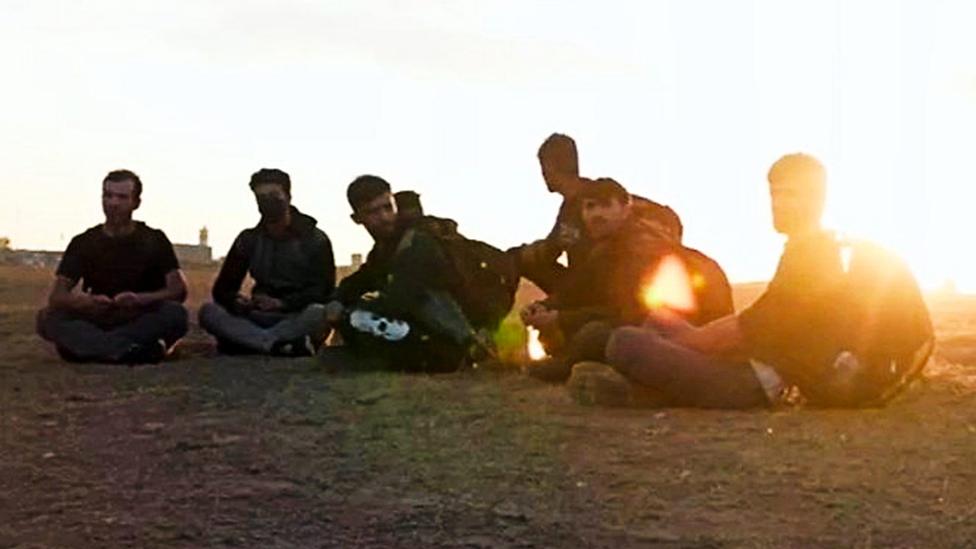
(685, 102)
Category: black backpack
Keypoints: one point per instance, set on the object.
(485, 278)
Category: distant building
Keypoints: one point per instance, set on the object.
(195, 254)
(31, 258)
(343, 271)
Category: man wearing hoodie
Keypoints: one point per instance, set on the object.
(293, 268)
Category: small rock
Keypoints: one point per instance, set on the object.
(153, 426)
(372, 397)
(48, 455)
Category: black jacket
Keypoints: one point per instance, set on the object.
(298, 269)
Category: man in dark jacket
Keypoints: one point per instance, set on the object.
(293, 268)
(397, 311)
(538, 261)
(618, 280)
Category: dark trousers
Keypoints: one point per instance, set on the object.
(684, 376)
(85, 339)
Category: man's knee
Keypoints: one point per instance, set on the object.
(40, 322)
(209, 315)
(174, 315)
(624, 344)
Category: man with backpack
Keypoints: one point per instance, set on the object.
(423, 294)
(608, 288)
(291, 262)
(538, 261)
(842, 322)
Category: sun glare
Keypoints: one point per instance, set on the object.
(671, 287)
(534, 347)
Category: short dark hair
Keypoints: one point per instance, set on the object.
(365, 188)
(118, 176)
(603, 189)
(273, 176)
(562, 147)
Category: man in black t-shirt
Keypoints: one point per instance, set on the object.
(129, 308)
(813, 328)
(290, 260)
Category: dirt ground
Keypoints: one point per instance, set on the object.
(244, 452)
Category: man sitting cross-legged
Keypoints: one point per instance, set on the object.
(843, 322)
(399, 310)
(608, 287)
(293, 268)
(129, 310)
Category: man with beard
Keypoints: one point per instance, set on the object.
(398, 310)
(291, 263)
(559, 162)
(607, 287)
(130, 308)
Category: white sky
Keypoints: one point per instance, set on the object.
(685, 102)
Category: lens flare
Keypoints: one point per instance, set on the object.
(672, 287)
(534, 347)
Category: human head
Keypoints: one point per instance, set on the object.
(604, 207)
(408, 206)
(121, 195)
(560, 163)
(373, 206)
(272, 192)
(797, 187)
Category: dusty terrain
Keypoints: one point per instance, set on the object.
(246, 452)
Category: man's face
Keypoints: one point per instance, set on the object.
(797, 204)
(555, 172)
(272, 201)
(602, 218)
(379, 216)
(119, 200)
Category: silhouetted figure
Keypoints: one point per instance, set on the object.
(559, 162)
(291, 262)
(129, 310)
(844, 333)
(399, 310)
(606, 289)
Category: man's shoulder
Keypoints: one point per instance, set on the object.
(146, 231)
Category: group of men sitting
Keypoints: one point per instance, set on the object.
(842, 322)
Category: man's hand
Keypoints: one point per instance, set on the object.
(333, 312)
(242, 303)
(98, 303)
(267, 303)
(127, 300)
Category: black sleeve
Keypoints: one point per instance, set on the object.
(165, 254)
(232, 272)
(364, 280)
(72, 265)
(322, 277)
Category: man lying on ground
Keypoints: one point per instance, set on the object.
(129, 310)
(538, 261)
(844, 323)
(401, 310)
(291, 262)
(608, 287)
